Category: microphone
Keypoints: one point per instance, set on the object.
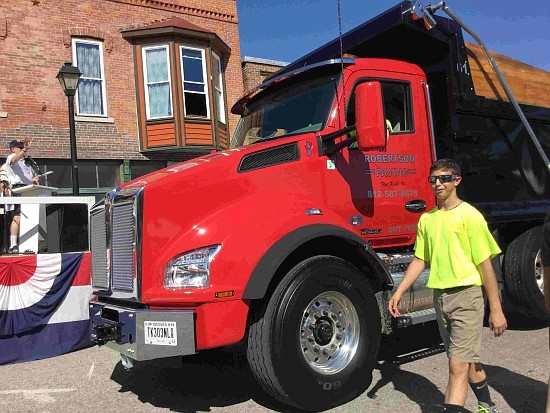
(30, 162)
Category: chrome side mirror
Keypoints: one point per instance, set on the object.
(419, 12)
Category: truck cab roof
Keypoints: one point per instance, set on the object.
(388, 65)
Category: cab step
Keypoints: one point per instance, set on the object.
(420, 354)
(416, 317)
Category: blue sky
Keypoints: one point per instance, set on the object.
(285, 30)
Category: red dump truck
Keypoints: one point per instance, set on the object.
(293, 240)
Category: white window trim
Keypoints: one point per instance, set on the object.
(204, 76)
(218, 61)
(103, 83)
(145, 84)
(97, 119)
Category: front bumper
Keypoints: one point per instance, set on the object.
(143, 334)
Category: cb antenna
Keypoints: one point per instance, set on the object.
(342, 60)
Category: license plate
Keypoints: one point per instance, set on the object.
(161, 333)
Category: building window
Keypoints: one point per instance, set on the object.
(91, 95)
(158, 90)
(94, 177)
(195, 90)
(140, 168)
(217, 80)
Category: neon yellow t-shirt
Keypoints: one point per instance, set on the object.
(454, 242)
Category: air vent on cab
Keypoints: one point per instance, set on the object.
(269, 157)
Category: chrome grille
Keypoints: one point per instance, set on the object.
(100, 273)
(122, 246)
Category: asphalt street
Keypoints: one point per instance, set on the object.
(93, 380)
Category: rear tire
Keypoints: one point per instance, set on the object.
(316, 343)
(523, 276)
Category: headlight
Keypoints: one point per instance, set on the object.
(191, 269)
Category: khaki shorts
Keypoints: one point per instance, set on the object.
(460, 313)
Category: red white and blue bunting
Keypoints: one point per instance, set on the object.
(43, 305)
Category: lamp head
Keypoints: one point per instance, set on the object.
(68, 77)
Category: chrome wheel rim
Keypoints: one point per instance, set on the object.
(329, 333)
(539, 271)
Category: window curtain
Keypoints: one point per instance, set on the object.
(90, 94)
(158, 84)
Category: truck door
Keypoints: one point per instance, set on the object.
(384, 192)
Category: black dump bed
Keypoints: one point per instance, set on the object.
(504, 175)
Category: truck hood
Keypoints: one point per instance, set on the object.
(168, 172)
(207, 200)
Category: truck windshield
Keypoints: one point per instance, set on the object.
(297, 105)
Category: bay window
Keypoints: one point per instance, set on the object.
(180, 87)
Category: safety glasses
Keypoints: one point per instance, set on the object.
(442, 178)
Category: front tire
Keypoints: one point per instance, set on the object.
(316, 343)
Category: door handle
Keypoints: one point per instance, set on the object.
(416, 205)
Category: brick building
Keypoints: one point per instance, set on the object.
(158, 80)
(256, 70)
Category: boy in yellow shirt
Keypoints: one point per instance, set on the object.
(454, 239)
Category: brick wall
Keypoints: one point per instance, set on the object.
(35, 41)
(256, 70)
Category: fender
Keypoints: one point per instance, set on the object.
(263, 273)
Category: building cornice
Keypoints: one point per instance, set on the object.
(176, 6)
(250, 59)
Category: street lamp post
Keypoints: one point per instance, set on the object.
(69, 76)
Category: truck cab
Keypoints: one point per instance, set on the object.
(379, 190)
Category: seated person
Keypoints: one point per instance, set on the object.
(388, 126)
